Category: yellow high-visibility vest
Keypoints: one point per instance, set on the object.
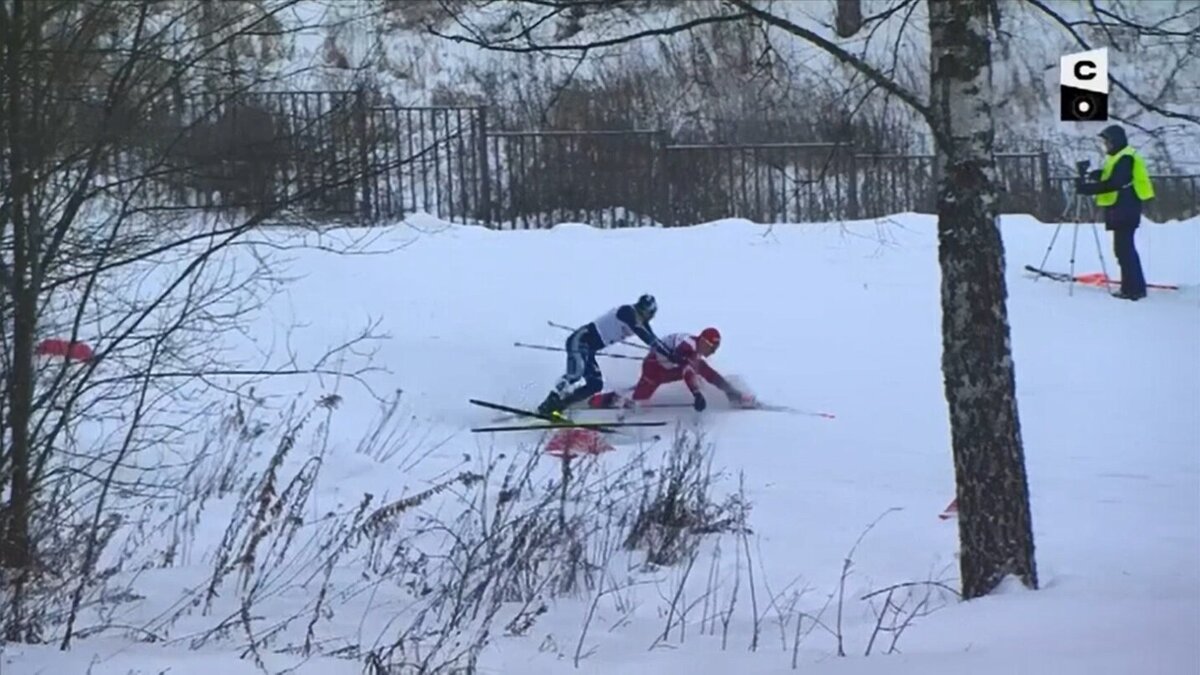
(1141, 178)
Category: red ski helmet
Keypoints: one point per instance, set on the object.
(711, 337)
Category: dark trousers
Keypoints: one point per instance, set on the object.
(1132, 280)
(581, 350)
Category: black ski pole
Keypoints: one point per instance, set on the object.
(560, 349)
(623, 342)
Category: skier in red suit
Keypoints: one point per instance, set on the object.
(689, 352)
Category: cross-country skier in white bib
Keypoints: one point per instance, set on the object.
(582, 345)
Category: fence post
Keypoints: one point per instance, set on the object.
(939, 159)
(486, 212)
(1195, 200)
(852, 188)
(1043, 205)
(661, 183)
(360, 120)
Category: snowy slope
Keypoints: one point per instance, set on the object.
(838, 317)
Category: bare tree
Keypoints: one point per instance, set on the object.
(105, 105)
(995, 524)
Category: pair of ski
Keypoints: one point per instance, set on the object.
(1089, 279)
(551, 422)
(758, 406)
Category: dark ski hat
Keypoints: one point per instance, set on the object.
(647, 306)
(1115, 135)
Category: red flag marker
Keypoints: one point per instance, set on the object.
(72, 351)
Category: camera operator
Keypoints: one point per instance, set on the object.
(1120, 187)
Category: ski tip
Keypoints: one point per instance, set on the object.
(793, 411)
(822, 415)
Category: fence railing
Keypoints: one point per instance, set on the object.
(340, 155)
(534, 179)
(606, 178)
(1175, 197)
(432, 160)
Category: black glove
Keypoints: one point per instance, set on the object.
(698, 402)
(739, 399)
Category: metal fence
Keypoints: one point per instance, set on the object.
(605, 178)
(300, 150)
(1175, 197)
(534, 179)
(433, 160)
(343, 155)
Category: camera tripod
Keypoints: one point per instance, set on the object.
(1075, 208)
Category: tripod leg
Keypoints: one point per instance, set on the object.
(1057, 229)
(1074, 243)
(1071, 204)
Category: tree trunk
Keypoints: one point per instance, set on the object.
(16, 545)
(995, 526)
(849, 18)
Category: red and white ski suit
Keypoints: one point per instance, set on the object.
(657, 371)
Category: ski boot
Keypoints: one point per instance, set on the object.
(630, 407)
(552, 407)
(612, 400)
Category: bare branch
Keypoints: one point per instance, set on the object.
(870, 72)
(532, 47)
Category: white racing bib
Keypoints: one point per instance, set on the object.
(612, 329)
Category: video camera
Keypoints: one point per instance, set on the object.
(1082, 167)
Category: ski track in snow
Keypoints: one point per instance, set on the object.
(831, 317)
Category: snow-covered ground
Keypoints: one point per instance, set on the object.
(843, 318)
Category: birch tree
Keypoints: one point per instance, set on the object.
(995, 524)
